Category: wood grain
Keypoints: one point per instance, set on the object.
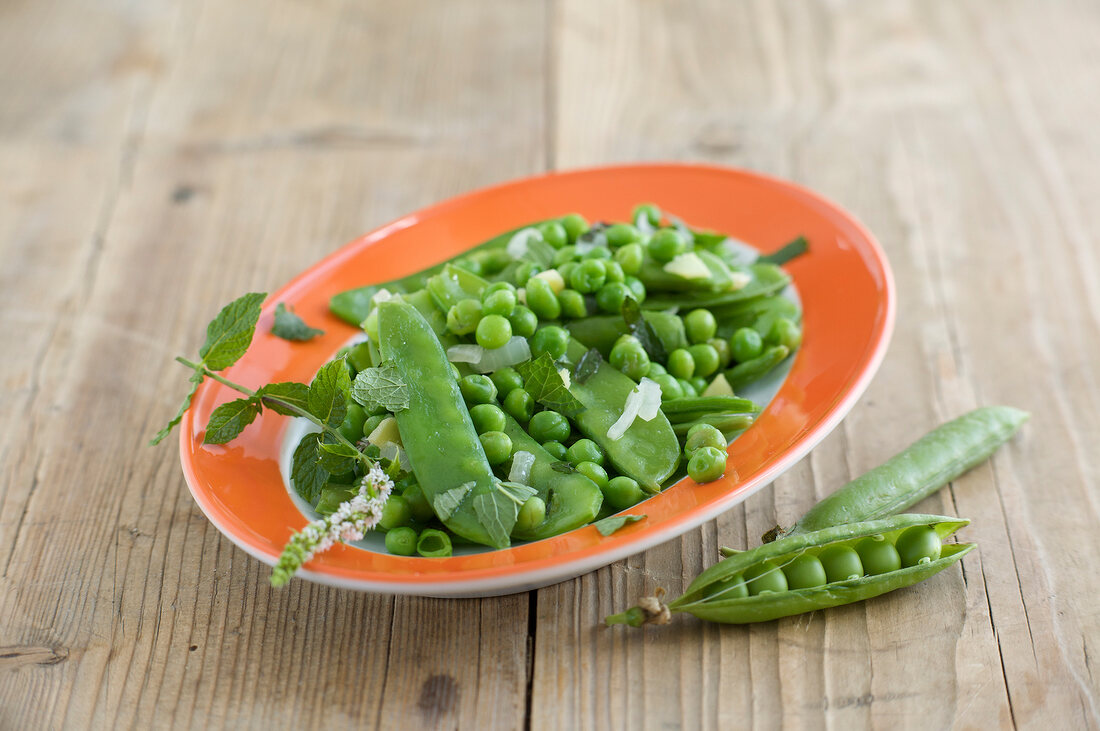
(140, 141)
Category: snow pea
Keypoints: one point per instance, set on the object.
(765, 281)
(693, 407)
(656, 279)
(728, 424)
(436, 430)
(601, 331)
(745, 373)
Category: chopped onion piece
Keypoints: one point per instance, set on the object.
(516, 350)
(517, 245)
(680, 226)
(689, 266)
(588, 244)
(649, 398)
(382, 295)
(465, 353)
(630, 413)
(521, 467)
(641, 222)
(739, 280)
(564, 373)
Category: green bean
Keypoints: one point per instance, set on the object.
(745, 373)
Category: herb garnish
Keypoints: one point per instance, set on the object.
(542, 380)
(290, 326)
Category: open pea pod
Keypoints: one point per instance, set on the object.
(601, 331)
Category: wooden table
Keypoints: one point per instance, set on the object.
(158, 158)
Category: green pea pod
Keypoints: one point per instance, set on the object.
(920, 470)
(728, 424)
(693, 407)
(437, 432)
(572, 500)
(767, 280)
(648, 451)
(745, 373)
(657, 279)
(708, 597)
(454, 284)
(760, 314)
(601, 331)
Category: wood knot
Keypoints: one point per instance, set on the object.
(13, 657)
(438, 696)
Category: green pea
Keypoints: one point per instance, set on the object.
(553, 233)
(454, 371)
(656, 369)
(433, 543)
(501, 302)
(598, 252)
(531, 513)
(477, 389)
(525, 271)
(572, 304)
(841, 563)
(630, 258)
(549, 426)
(629, 357)
(917, 545)
(698, 383)
(564, 255)
(878, 555)
(507, 379)
(707, 464)
(584, 450)
(550, 339)
(689, 390)
(556, 449)
(700, 325)
(524, 322)
(615, 271)
(487, 418)
(359, 356)
(594, 472)
(395, 513)
(706, 359)
(704, 435)
(497, 445)
(611, 296)
(722, 347)
(681, 364)
(651, 212)
(418, 503)
(519, 404)
(765, 576)
(637, 287)
(354, 418)
(785, 332)
(589, 276)
(493, 261)
(464, 316)
(575, 224)
(731, 588)
(401, 541)
(497, 287)
(542, 300)
(804, 572)
(670, 387)
(666, 245)
(566, 270)
(372, 423)
(470, 264)
(621, 234)
(746, 344)
(623, 492)
(493, 331)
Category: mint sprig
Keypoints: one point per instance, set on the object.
(381, 387)
(542, 380)
(289, 326)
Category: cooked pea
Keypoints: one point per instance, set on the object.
(707, 464)
(572, 304)
(629, 357)
(506, 379)
(700, 325)
(584, 450)
(395, 513)
(611, 296)
(487, 417)
(656, 369)
(670, 387)
(651, 212)
(575, 224)
(497, 446)
(501, 302)
(566, 270)
(704, 435)
(785, 332)
(371, 423)
(594, 472)
(525, 271)
(722, 347)
(556, 449)
(524, 321)
(464, 316)
(359, 356)
(418, 502)
(354, 418)
(666, 245)
(804, 572)
(401, 541)
(698, 383)
(564, 255)
(917, 545)
(550, 339)
(497, 287)
(623, 492)
(688, 389)
(470, 264)
(621, 234)
(477, 389)
(706, 359)
(878, 555)
(531, 513)
(746, 344)
(553, 233)
(589, 276)
(548, 426)
(841, 563)
(681, 364)
(765, 576)
(598, 252)
(630, 258)
(493, 331)
(615, 271)
(636, 286)
(541, 299)
(519, 404)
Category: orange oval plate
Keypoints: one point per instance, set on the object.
(847, 295)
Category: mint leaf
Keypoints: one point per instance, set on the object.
(230, 419)
(306, 475)
(289, 326)
(640, 328)
(497, 513)
(328, 394)
(332, 494)
(542, 380)
(607, 526)
(278, 396)
(798, 247)
(228, 334)
(196, 379)
(563, 467)
(518, 492)
(381, 387)
(445, 504)
(337, 458)
(587, 366)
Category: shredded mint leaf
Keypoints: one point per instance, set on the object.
(277, 396)
(290, 326)
(447, 503)
(798, 247)
(306, 474)
(328, 394)
(542, 380)
(517, 491)
(332, 494)
(640, 328)
(196, 379)
(229, 334)
(381, 387)
(497, 512)
(563, 467)
(337, 458)
(230, 419)
(587, 366)
(607, 526)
